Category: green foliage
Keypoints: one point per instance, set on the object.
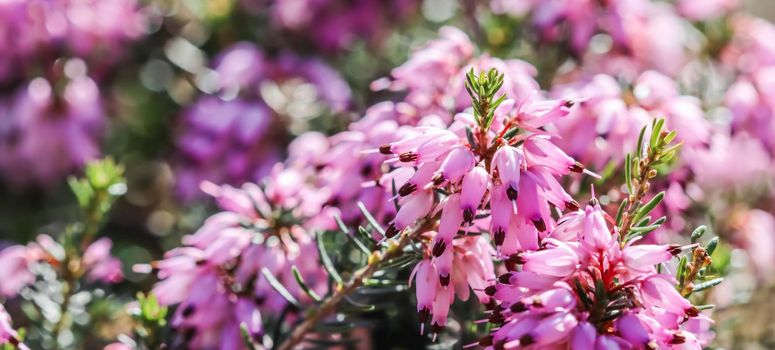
(482, 88)
(151, 320)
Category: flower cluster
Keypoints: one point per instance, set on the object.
(7, 334)
(433, 78)
(333, 25)
(255, 96)
(494, 170)
(18, 263)
(583, 288)
(64, 128)
(36, 30)
(620, 36)
(222, 277)
(609, 117)
(55, 53)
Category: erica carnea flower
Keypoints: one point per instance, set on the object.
(582, 289)
(630, 34)
(433, 78)
(96, 30)
(606, 121)
(337, 24)
(344, 171)
(216, 278)
(17, 263)
(46, 134)
(7, 334)
(494, 170)
(473, 269)
(236, 135)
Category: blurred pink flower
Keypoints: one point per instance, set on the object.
(45, 136)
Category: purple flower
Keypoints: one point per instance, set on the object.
(16, 263)
(513, 179)
(35, 29)
(638, 309)
(336, 24)
(7, 334)
(232, 137)
(45, 136)
(216, 277)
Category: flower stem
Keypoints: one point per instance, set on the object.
(642, 186)
(329, 305)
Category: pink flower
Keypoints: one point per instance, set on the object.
(15, 269)
(233, 127)
(100, 264)
(553, 301)
(7, 334)
(217, 278)
(44, 137)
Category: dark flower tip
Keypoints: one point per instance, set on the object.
(438, 179)
(518, 307)
(526, 340)
(385, 149)
(677, 339)
(576, 167)
(540, 224)
(674, 249)
(407, 189)
(439, 248)
(468, 215)
(692, 312)
(512, 193)
(444, 280)
(505, 278)
(391, 231)
(490, 290)
(499, 237)
(407, 157)
(423, 315)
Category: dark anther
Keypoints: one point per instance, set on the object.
(526, 339)
(407, 189)
(505, 278)
(539, 224)
(518, 307)
(512, 193)
(385, 149)
(391, 231)
(576, 167)
(674, 249)
(572, 205)
(188, 310)
(407, 157)
(366, 170)
(468, 215)
(692, 312)
(677, 339)
(490, 290)
(424, 314)
(444, 280)
(499, 237)
(438, 179)
(439, 248)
